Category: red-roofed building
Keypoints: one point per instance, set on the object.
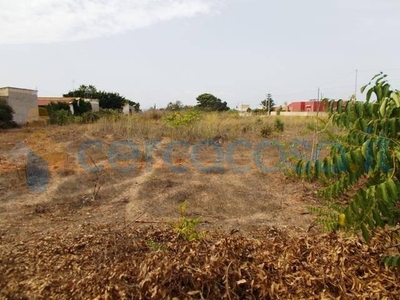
(308, 106)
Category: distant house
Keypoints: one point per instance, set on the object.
(243, 108)
(128, 108)
(307, 106)
(285, 108)
(23, 102)
(43, 101)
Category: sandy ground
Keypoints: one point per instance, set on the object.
(73, 198)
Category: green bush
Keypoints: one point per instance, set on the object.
(89, 117)
(187, 228)
(81, 107)
(181, 119)
(61, 117)
(6, 115)
(279, 126)
(54, 106)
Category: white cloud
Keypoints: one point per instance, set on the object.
(45, 21)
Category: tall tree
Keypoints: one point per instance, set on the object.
(209, 102)
(268, 104)
(109, 100)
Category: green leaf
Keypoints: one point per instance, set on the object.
(376, 75)
(370, 222)
(392, 261)
(360, 201)
(369, 94)
(365, 233)
(382, 206)
(354, 208)
(337, 164)
(386, 90)
(395, 261)
(318, 169)
(378, 92)
(364, 125)
(392, 189)
(382, 192)
(366, 147)
(382, 109)
(364, 87)
(359, 109)
(396, 98)
(328, 167)
(308, 169)
(339, 106)
(377, 218)
(392, 127)
(299, 167)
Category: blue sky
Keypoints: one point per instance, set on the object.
(154, 51)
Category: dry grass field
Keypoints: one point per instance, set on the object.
(112, 234)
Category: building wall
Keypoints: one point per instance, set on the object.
(302, 113)
(24, 103)
(127, 109)
(308, 106)
(244, 107)
(297, 106)
(95, 104)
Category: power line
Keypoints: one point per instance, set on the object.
(338, 87)
(383, 69)
(337, 79)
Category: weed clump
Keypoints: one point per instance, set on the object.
(266, 131)
(187, 228)
(279, 125)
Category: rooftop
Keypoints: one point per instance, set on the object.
(43, 101)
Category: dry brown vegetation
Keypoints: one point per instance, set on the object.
(108, 235)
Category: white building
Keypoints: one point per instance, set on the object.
(23, 102)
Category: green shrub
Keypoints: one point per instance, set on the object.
(6, 115)
(89, 117)
(182, 118)
(81, 107)
(187, 228)
(61, 117)
(364, 163)
(279, 126)
(110, 114)
(53, 106)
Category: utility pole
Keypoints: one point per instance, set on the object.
(355, 89)
(319, 102)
